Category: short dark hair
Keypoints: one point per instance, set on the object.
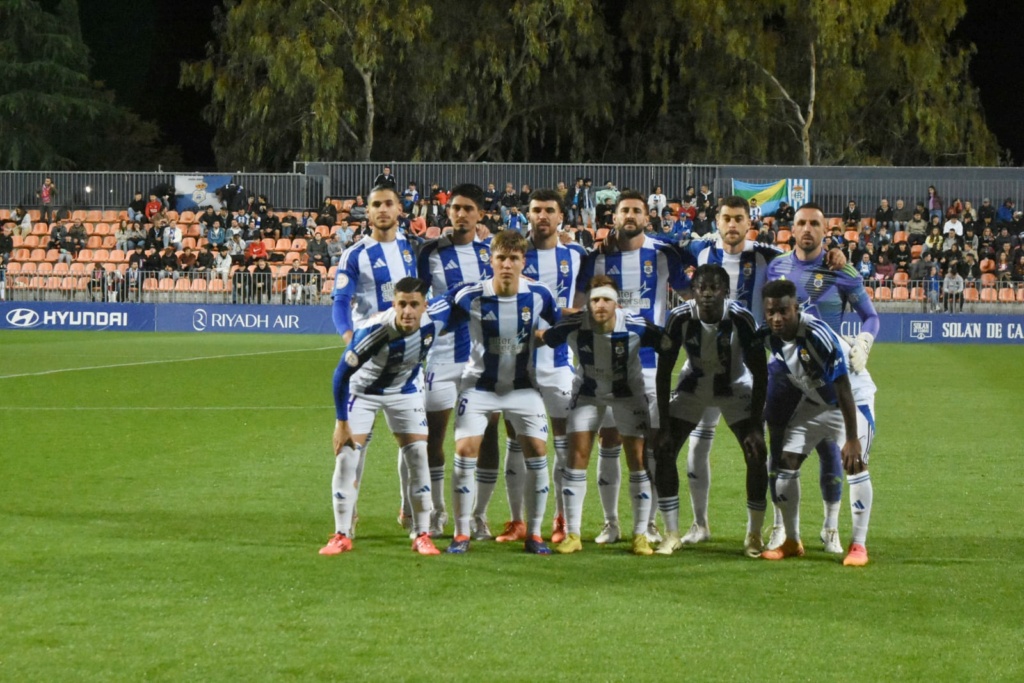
(712, 272)
(473, 193)
(629, 194)
(545, 194)
(411, 285)
(381, 188)
(812, 205)
(734, 201)
(779, 289)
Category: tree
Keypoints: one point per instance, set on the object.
(51, 114)
(816, 81)
(305, 79)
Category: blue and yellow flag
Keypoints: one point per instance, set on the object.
(768, 195)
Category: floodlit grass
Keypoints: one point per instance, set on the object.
(160, 519)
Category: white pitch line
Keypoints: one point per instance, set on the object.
(160, 362)
(190, 408)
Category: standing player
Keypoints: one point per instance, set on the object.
(447, 263)
(381, 371)
(824, 294)
(643, 269)
(556, 265)
(502, 313)
(834, 404)
(607, 342)
(365, 281)
(725, 368)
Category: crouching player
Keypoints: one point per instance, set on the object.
(836, 403)
(606, 340)
(725, 369)
(381, 371)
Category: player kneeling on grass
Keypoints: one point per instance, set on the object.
(381, 371)
(836, 403)
(606, 340)
(725, 369)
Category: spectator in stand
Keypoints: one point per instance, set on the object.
(262, 279)
(131, 283)
(917, 229)
(295, 282)
(955, 208)
(836, 240)
(690, 194)
(306, 225)
(77, 230)
(169, 264)
(313, 283)
(657, 201)
(216, 235)
(358, 211)
(884, 269)
(986, 209)
(884, 215)
(866, 269)
(588, 204)
(23, 220)
(987, 242)
(953, 292)
(1003, 238)
(205, 261)
(336, 245)
(705, 199)
(186, 260)
(316, 250)
(524, 197)
(66, 250)
(952, 257)
(345, 235)
(969, 216)
(683, 228)
(436, 215)
(121, 237)
(901, 216)
(136, 235)
(172, 235)
(137, 208)
(47, 195)
(851, 216)
(882, 239)
(933, 203)
(236, 249)
(409, 198)
(688, 208)
(385, 177)
(852, 252)
(137, 256)
(935, 240)
(970, 241)
(491, 198)
(702, 225)
(155, 236)
(421, 210)
(288, 224)
(153, 206)
(206, 220)
(933, 287)
(921, 268)
(327, 214)
(766, 235)
(517, 221)
(755, 214)
(1018, 269)
(955, 225)
(653, 223)
(784, 215)
(901, 257)
(97, 283)
(255, 251)
(6, 245)
(969, 270)
(609, 191)
(222, 263)
(1004, 216)
(152, 263)
(509, 198)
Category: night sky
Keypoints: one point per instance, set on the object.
(137, 47)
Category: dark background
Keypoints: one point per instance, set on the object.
(137, 48)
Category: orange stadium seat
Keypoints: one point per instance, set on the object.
(100, 255)
(216, 285)
(988, 280)
(111, 216)
(752, 234)
(60, 268)
(916, 250)
(118, 255)
(988, 295)
(94, 216)
(1006, 295)
(44, 268)
(29, 268)
(917, 294)
(102, 229)
(883, 293)
(971, 295)
(900, 278)
(30, 241)
(13, 268)
(867, 222)
(283, 244)
(899, 236)
(185, 217)
(21, 254)
(432, 233)
(198, 285)
(51, 255)
(298, 244)
(38, 255)
(900, 293)
(783, 236)
(987, 265)
(851, 236)
(41, 229)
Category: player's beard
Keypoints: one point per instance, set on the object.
(630, 229)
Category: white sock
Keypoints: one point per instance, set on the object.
(670, 513)
(862, 494)
(403, 484)
(777, 512)
(515, 478)
(574, 490)
(536, 498)
(755, 516)
(698, 471)
(415, 457)
(561, 462)
(640, 499)
(649, 463)
(437, 487)
(344, 489)
(787, 490)
(609, 478)
(831, 520)
(463, 493)
(486, 481)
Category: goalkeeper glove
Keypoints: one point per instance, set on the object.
(860, 347)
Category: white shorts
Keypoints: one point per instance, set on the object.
(810, 424)
(441, 381)
(629, 415)
(404, 413)
(696, 406)
(523, 408)
(650, 388)
(555, 387)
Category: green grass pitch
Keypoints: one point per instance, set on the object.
(163, 498)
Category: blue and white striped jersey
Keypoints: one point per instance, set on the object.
(813, 361)
(747, 270)
(446, 266)
(501, 330)
(365, 280)
(557, 268)
(714, 353)
(609, 362)
(382, 361)
(643, 277)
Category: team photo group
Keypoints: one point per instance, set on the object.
(570, 347)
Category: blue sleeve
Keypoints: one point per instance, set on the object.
(853, 289)
(586, 274)
(676, 263)
(342, 374)
(446, 312)
(423, 262)
(344, 287)
(828, 348)
(559, 333)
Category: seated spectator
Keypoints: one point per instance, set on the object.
(682, 227)
(702, 225)
(784, 215)
(852, 252)
(236, 248)
(935, 240)
(23, 221)
(953, 254)
(153, 262)
(524, 197)
(986, 210)
(255, 251)
(122, 239)
(491, 199)
(955, 209)
(987, 244)
(436, 216)
(327, 214)
(262, 280)
(609, 191)
(866, 269)
(969, 216)
(765, 234)
(603, 213)
(1018, 269)
(169, 264)
(920, 268)
(306, 225)
(206, 220)
(136, 235)
(345, 236)
(901, 257)
(688, 208)
(953, 292)
(902, 215)
(67, 250)
(657, 201)
(97, 283)
(970, 241)
(1003, 238)
(884, 216)
(137, 255)
(582, 236)
(216, 235)
(508, 199)
(884, 269)
(131, 283)
(137, 209)
(653, 222)
(851, 215)
(410, 197)
(204, 261)
(334, 248)
(358, 210)
(955, 225)
(6, 244)
(171, 235)
(153, 207)
(317, 251)
(882, 239)
(755, 214)
(917, 229)
(1005, 213)
(836, 240)
(969, 269)
(295, 283)
(222, 263)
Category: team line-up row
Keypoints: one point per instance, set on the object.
(535, 329)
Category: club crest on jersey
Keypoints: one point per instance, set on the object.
(648, 268)
(341, 281)
(747, 269)
(428, 340)
(407, 256)
(563, 267)
(819, 281)
(525, 314)
(804, 356)
(351, 359)
(484, 256)
(619, 348)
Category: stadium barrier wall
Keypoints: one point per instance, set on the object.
(913, 328)
(44, 315)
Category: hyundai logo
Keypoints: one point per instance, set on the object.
(22, 317)
(199, 320)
